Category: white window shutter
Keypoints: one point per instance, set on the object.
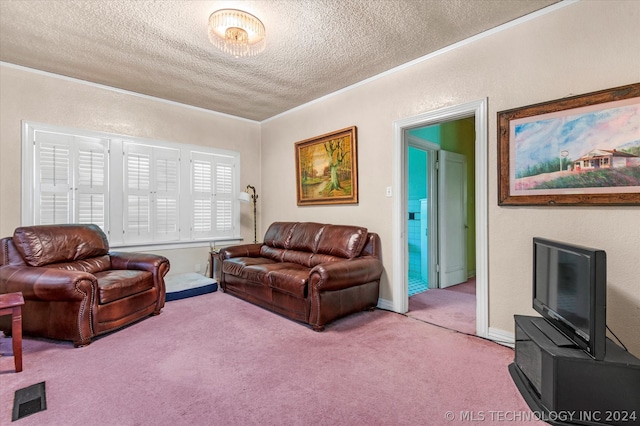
(92, 175)
(224, 199)
(53, 175)
(144, 192)
(212, 195)
(137, 193)
(166, 194)
(202, 168)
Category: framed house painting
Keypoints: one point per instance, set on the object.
(327, 169)
(581, 150)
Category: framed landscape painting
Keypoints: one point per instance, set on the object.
(327, 169)
(582, 150)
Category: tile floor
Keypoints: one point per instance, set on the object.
(416, 285)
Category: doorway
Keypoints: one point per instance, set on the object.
(441, 220)
(476, 111)
(422, 215)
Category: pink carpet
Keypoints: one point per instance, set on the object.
(217, 360)
(453, 307)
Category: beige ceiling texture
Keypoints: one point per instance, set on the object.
(314, 47)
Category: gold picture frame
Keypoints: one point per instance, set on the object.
(327, 168)
(577, 151)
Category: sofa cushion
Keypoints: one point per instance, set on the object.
(259, 273)
(292, 280)
(236, 265)
(272, 253)
(93, 265)
(45, 244)
(119, 283)
(342, 240)
(279, 233)
(304, 237)
(299, 257)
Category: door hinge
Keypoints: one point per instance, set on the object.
(437, 268)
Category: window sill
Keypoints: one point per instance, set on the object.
(171, 245)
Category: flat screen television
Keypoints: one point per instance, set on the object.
(569, 291)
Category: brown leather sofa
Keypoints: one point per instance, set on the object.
(75, 288)
(309, 272)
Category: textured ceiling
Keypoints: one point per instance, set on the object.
(314, 47)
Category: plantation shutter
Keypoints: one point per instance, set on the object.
(212, 196)
(70, 182)
(143, 191)
(53, 178)
(91, 182)
(166, 194)
(137, 193)
(202, 168)
(223, 198)
(152, 193)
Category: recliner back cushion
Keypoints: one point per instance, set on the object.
(45, 244)
(304, 237)
(342, 240)
(278, 234)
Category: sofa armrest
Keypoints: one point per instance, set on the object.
(140, 261)
(38, 283)
(158, 266)
(349, 273)
(242, 250)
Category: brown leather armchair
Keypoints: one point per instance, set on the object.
(75, 288)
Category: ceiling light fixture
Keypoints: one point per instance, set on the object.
(236, 32)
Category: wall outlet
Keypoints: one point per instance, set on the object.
(389, 193)
(197, 267)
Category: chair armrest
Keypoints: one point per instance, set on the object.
(349, 273)
(38, 283)
(242, 250)
(140, 261)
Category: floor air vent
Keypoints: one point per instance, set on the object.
(29, 401)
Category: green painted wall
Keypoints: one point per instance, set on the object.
(431, 133)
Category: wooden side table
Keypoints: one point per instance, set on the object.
(11, 304)
(215, 263)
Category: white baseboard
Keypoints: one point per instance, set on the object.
(502, 337)
(385, 304)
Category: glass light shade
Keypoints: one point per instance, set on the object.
(245, 197)
(236, 32)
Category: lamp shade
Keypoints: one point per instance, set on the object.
(245, 197)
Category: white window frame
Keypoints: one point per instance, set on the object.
(117, 147)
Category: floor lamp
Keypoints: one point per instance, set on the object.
(245, 197)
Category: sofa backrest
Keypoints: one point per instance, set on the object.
(9, 255)
(46, 244)
(373, 246)
(343, 241)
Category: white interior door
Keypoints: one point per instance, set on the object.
(452, 217)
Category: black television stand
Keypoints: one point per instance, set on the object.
(563, 385)
(556, 337)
